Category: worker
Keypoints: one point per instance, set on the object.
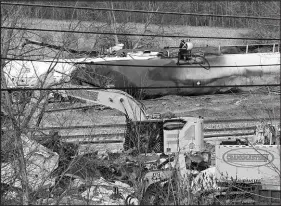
(182, 44)
(184, 50)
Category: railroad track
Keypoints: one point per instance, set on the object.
(115, 133)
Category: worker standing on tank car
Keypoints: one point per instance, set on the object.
(182, 50)
(185, 50)
(182, 44)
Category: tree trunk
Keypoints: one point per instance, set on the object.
(113, 20)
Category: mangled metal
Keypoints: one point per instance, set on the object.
(40, 162)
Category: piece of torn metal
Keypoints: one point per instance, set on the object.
(40, 162)
(101, 192)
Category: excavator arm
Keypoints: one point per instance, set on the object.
(112, 98)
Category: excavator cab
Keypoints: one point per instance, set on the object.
(183, 134)
(145, 136)
(165, 135)
(170, 137)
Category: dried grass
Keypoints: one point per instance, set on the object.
(89, 39)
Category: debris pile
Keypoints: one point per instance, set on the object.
(57, 175)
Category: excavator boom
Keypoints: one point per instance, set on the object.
(112, 98)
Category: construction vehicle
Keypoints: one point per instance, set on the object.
(179, 140)
(172, 134)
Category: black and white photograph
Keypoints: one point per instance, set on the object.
(140, 102)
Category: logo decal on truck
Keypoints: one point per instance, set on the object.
(248, 157)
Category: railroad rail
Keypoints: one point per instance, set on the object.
(115, 133)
